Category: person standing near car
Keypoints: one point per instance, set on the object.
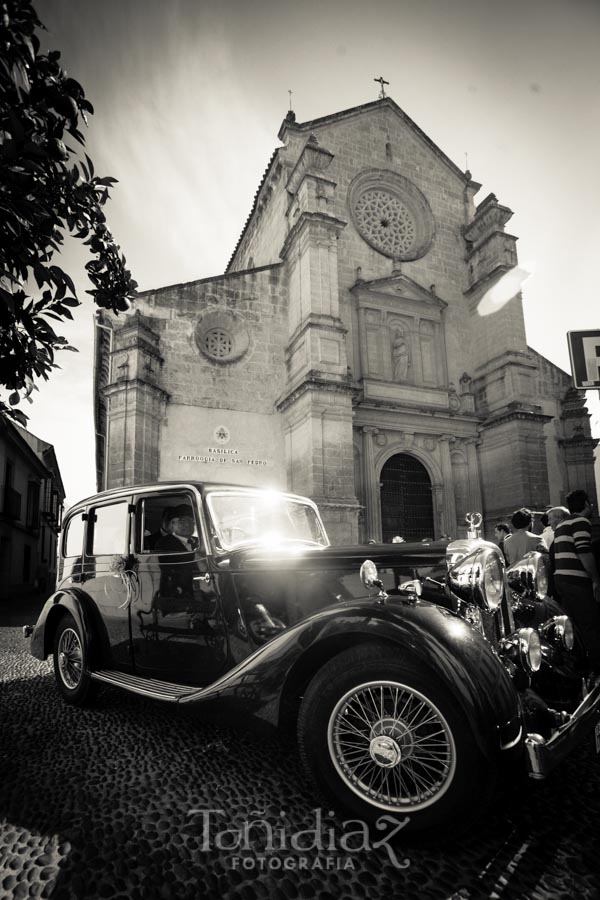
(501, 532)
(576, 577)
(555, 516)
(522, 540)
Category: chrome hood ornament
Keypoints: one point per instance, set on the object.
(474, 519)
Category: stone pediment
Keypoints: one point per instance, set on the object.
(397, 287)
(369, 111)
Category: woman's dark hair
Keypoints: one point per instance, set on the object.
(502, 526)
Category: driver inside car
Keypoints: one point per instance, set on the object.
(176, 572)
(178, 524)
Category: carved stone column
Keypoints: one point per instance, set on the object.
(449, 505)
(371, 485)
(437, 493)
(475, 498)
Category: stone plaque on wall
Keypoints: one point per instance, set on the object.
(223, 445)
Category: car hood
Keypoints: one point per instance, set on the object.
(297, 556)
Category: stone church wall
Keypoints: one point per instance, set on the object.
(219, 421)
(391, 144)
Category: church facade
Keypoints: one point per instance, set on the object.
(342, 355)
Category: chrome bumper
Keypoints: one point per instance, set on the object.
(543, 755)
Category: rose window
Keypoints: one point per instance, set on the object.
(385, 221)
(218, 343)
(391, 214)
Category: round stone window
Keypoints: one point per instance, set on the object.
(391, 214)
(222, 336)
(386, 221)
(218, 343)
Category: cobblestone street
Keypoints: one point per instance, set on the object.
(106, 803)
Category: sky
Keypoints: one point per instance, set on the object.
(189, 96)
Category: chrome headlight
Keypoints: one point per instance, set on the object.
(565, 632)
(524, 648)
(476, 572)
(532, 573)
(530, 649)
(369, 574)
(541, 575)
(560, 631)
(493, 580)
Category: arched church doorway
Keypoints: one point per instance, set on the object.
(406, 499)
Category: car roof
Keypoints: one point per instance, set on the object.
(202, 486)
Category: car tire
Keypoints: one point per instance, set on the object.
(71, 665)
(382, 735)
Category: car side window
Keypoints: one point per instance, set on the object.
(73, 539)
(167, 523)
(107, 534)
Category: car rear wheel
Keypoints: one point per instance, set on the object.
(382, 735)
(70, 663)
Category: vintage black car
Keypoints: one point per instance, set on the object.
(411, 671)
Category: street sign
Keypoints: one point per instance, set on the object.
(584, 349)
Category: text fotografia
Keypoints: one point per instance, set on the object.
(258, 843)
(223, 455)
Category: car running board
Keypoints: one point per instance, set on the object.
(148, 687)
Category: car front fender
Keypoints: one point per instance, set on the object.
(428, 634)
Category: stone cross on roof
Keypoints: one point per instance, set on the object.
(381, 81)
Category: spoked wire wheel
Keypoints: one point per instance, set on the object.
(392, 746)
(70, 658)
(71, 664)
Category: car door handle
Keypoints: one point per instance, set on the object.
(205, 578)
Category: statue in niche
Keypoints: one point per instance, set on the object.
(465, 383)
(400, 356)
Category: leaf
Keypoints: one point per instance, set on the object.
(20, 78)
(19, 416)
(13, 399)
(29, 44)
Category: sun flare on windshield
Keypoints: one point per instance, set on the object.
(266, 519)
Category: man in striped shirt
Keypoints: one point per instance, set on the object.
(576, 577)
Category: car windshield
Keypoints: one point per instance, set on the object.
(266, 518)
